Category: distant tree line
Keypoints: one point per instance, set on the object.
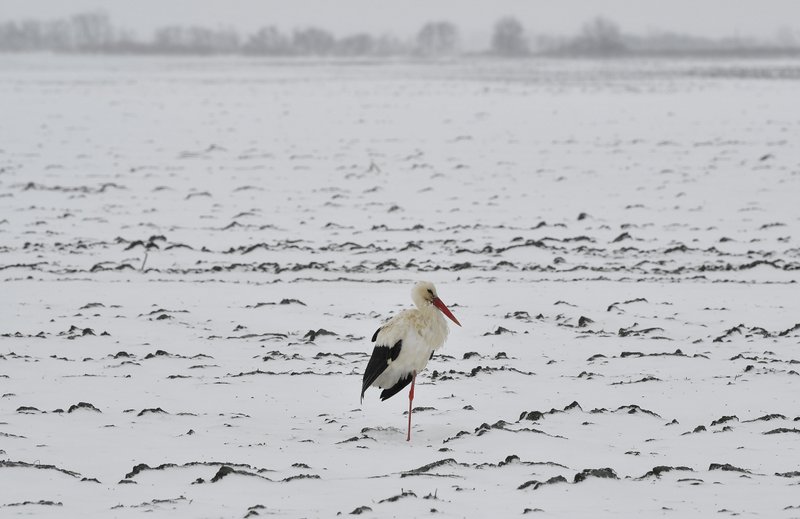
(94, 32)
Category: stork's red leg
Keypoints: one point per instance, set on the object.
(410, 403)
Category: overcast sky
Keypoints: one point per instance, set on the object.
(714, 18)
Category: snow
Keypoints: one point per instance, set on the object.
(171, 230)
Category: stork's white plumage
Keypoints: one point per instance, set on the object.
(405, 344)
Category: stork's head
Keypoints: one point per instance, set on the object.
(424, 294)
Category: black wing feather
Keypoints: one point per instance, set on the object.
(381, 357)
(403, 382)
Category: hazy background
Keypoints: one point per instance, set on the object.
(761, 19)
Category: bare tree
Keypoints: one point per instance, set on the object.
(126, 42)
(391, 46)
(438, 39)
(269, 41)
(509, 38)
(313, 41)
(83, 32)
(599, 36)
(196, 40)
(32, 34)
(11, 37)
(356, 45)
(60, 36)
(92, 31)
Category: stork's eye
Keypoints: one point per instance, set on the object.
(430, 292)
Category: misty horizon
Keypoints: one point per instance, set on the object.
(766, 21)
(97, 32)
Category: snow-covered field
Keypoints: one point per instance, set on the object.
(195, 253)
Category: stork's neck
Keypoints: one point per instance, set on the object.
(429, 311)
(434, 329)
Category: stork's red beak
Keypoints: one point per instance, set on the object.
(441, 306)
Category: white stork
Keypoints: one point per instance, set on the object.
(405, 344)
